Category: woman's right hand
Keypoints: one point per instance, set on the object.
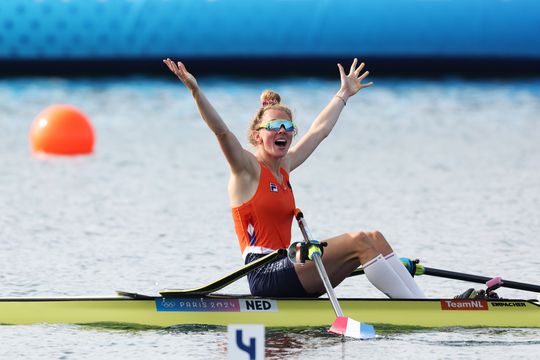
(180, 71)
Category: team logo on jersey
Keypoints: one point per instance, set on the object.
(273, 187)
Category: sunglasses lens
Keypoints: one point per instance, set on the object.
(275, 125)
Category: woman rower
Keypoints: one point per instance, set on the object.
(263, 204)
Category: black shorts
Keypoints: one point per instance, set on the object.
(275, 279)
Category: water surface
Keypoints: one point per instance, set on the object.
(448, 170)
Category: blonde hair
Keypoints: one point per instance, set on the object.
(269, 100)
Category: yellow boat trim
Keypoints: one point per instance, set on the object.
(270, 312)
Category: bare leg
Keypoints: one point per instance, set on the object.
(379, 242)
(345, 253)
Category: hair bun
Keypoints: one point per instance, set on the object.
(269, 97)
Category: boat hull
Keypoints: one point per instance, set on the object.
(224, 310)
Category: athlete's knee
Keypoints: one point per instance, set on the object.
(379, 242)
(361, 240)
(375, 235)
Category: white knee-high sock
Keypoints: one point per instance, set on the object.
(384, 278)
(402, 272)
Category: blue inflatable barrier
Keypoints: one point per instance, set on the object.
(243, 29)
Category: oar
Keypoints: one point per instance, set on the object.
(224, 281)
(342, 325)
(424, 270)
(476, 278)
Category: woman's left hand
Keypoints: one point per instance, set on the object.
(351, 83)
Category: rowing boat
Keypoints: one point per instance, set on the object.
(204, 306)
(272, 312)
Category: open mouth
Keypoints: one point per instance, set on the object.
(281, 142)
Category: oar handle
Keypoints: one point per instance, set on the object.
(479, 279)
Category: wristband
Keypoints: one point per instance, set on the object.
(342, 99)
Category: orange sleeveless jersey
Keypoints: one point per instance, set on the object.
(263, 223)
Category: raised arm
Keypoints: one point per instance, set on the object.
(321, 127)
(237, 157)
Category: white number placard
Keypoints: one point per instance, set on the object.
(246, 342)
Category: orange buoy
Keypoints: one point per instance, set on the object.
(62, 130)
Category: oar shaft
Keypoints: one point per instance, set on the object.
(479, 279)
(226, 280)
(467, 277)
(327, 284)
(320, 266)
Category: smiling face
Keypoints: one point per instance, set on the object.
(274, 143)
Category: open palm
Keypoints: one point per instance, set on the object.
(351, 83)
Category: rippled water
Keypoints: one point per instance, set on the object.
(448, 169)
